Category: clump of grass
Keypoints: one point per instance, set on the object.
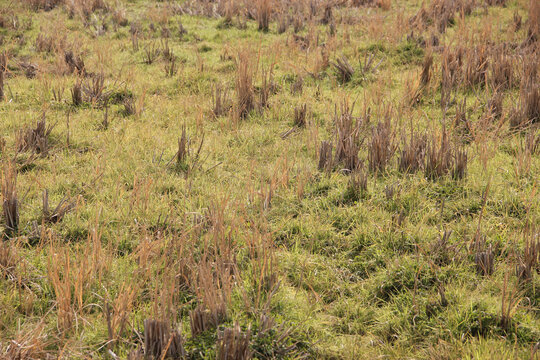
(427, 65)
(533, 31)
(299, 120)
(344, 69)
(35, 139)
(151, 53)
(186, 158)
(233, 344)
(220, 100)
(325, 156)
(75, 63)
(412, 154)
(3, 69)
(10, 201)
(161, 341)
(244, 84)
(170, 67)
(349, 136)
(93, 90)
(382, 145)
(58, 213)
(484, 259)
(501, 71)
(357, 187)
(475, 66)
(264, 11)
(529, 261)
(442, 158)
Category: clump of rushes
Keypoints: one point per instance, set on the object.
(3, 69)
(187, 159)
(264, 11)
(344, 69)
(382, 145)
(442, 158)
(75, 63)
(220, 100)
(10, 202)
(233, 344)
(35, 139)
(529, 261)
(413, 151)
(58, 213)
(161, 341)
(349, 136)
(244, 84)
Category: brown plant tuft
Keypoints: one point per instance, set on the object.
(233, 344)
(10, 202)
(161, 341)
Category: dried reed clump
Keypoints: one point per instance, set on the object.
(484, 257)
(221, 103)
(27, 344)
(533, 32)
(264, 11)
(427, 65)
(187, 158)
(75, 63)
(357, 188)
(382, 145)
(161, 341)
(527, 110)
(3, 69)
(35, 139)
(529, 261)
(325, 156)
(170, 67)
(442, 158)
(151, 53)
(501, 71)
(344, 70)
(267, 86)
(349, 134)
(300, 113)
(233, 344)
(10, 202)
(413, 151)
(299, 121)
(244, 84)
(441, 13)
(94, 90)
(76, 93)
(476, 66)
(58, 213)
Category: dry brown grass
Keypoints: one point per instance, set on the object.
(35, 139)
(244, 84)
(3, 69)
(344, 70)
(161, 341)
(412, 154)
(233, 344)
(349, 134)
(382, 145)
(264, 11)
(10, 202)
(221, 103)
(58, 213)
(529, 261)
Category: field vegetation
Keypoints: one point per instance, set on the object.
(269, 179)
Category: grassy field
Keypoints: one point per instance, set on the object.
(270, 179)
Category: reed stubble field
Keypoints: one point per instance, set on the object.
(269, 179)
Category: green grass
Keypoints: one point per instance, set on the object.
(353, 279)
